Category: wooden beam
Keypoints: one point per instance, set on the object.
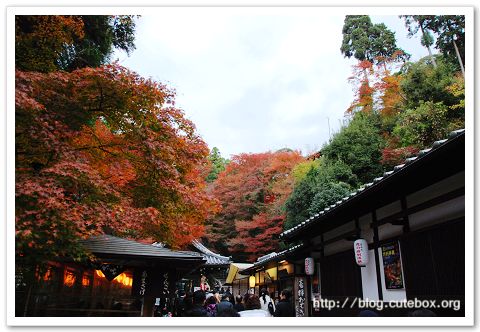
(394, 218)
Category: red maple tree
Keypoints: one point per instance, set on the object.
(252, 191)
(104, 150)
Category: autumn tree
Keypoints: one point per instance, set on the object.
(39, 40)
(251, 191)
(371, 44)
(102, 35)
(46, 43)
(103, 151)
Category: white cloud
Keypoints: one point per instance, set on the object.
(252, 80)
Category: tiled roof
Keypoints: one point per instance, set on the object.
(375, 182)
(273, 257)
(111, 245)
(211, 257)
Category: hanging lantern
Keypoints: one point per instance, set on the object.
(360, 247)
(309, 266)
(251, 281)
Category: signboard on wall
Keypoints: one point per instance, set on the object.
(154, 282)
(392, 266)
(300, 297)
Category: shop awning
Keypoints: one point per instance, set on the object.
(233, 272)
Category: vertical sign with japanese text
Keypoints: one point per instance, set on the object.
(300, 297)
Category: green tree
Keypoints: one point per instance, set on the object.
(298, 203)
(329, 177)
(413, 23)
(103, 34)
(300, 171)
(46, 43)
(218, 164)
(421, 83)
(450, 31)
(327, 194)
(359, 146)
(367, 41)
(427, 123)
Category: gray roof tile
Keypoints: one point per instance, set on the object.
(211, 257)
(112, 245)
(436, 144)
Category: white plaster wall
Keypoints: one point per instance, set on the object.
(388, 231)
(349, 226)
(453, 182)
(369, 278)
(452, 209)
(389, 209)
(338, 246)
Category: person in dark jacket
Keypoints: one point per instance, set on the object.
(284, 306)
(197, 309)
(231, 297)
(224, 303)
(239, 304)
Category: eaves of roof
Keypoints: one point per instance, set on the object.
(366, 189)
(107, 245)
(277, 257)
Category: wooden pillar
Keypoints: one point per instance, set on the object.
(406, 222)
(357, 228)
(377, 258)
(148, 305)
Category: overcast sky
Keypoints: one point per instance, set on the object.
(254, 80)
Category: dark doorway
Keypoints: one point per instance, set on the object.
(340, 276)
(434, 264)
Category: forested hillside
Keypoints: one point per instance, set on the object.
(400, 107)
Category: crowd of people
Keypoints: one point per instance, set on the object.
(207, 304)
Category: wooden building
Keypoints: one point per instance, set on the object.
(413, 221)
(127, 278)
(237, 279)
(212, 274)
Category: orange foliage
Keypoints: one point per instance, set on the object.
(40, 38)
(105, 150)
(252, 191)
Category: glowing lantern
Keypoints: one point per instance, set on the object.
(69, 279)
(120, 278)
(251, 281)
(85, 280)
(48, 275)
(100, 273)
(309, 266)
(360, 247)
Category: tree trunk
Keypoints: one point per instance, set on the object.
(365, 74)
(27, 299)
(428, 48)
(459, 58)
